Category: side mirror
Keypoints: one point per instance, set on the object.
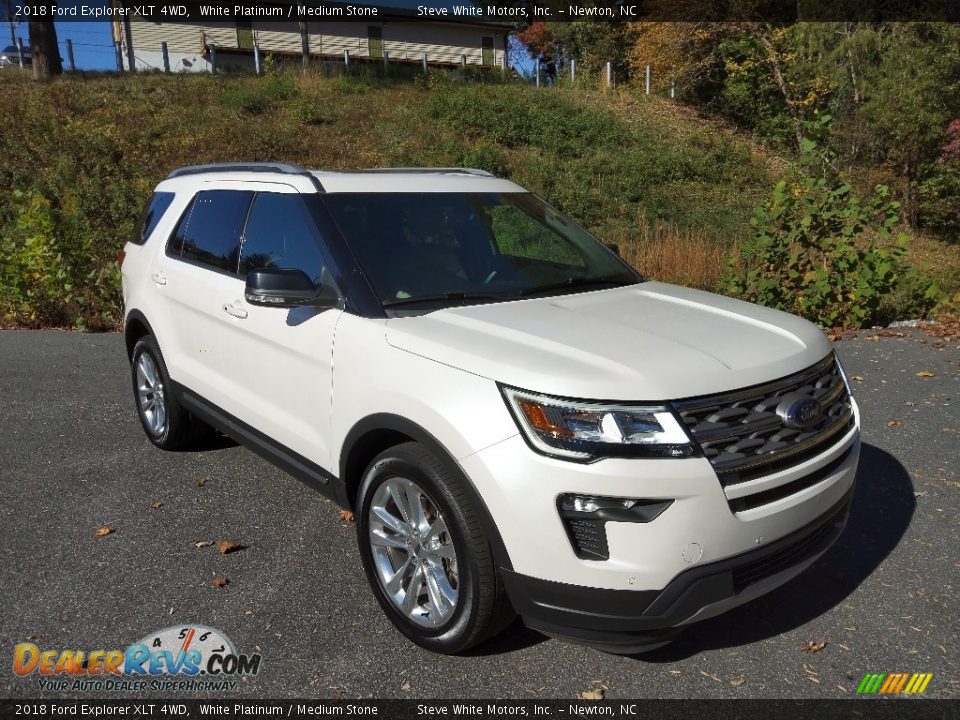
(614, 248)
(287, 288)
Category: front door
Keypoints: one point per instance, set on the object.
(279, 362)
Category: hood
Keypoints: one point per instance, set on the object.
(651, 341)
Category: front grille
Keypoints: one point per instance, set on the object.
(744, 438)
(790, 555)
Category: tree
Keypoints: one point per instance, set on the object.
(43, 45)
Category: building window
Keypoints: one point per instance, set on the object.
(245, 34)
(486, 50)
(375, 41)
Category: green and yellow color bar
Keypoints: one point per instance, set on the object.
(894, 683)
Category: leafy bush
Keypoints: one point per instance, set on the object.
(309, 111)
(259, 95)
(48, 275)
(938, 200)
(821, 252)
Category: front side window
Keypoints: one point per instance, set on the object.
(281, 234)
(209, 232)
(452, 247)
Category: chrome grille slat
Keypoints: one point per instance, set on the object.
(744, 438)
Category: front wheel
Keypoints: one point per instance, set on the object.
(425, 554)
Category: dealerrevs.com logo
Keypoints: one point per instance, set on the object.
(180, 658)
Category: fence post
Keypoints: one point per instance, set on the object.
(20, 51)
(673, 88)
(346, 58)
(72, 65)
(119, 53)
(536, 71)
(424, 63)
(213, 57)
(573, 71)
(463, 62)
(503, 66)
(647, 82)
(386, 59)
(166, 57)
(304, 46)
(609, 74)
(257, 66)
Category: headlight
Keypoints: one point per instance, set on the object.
(584, 431)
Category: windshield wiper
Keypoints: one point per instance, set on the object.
(578, 283)
(451, 297)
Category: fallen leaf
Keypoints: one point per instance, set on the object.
(104, 531)
(896, 422)
(202, 543)
(857, 378)
(406, 685)
(712, 677)
(155, 505)
(674, 672)
(201, 482)
(738, 681)
(841, 687)
(872, 338)
(229, 546)
(219, 582)
(595, 694)
(813, 647)
(346, 516)
(926, 373)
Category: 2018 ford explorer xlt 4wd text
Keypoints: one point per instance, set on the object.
(520, 422)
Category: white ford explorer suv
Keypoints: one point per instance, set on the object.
(520, 422)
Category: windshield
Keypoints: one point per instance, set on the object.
(447, 248)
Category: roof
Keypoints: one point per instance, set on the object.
(334, 181)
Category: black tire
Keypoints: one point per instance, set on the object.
(482, 609)
(179, 427)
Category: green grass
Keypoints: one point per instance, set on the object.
(89, 149)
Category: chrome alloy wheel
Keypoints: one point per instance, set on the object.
(150, 395)
(413, 552)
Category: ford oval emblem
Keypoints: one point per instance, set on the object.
(799, 411)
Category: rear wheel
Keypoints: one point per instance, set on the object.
(165, 421)
(425, 554)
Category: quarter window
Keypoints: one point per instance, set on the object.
(281, 234)
(151, 216)
(209, 233)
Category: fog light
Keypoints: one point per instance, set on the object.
(585, 518)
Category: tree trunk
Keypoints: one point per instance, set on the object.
(773, 57)
(43, 48)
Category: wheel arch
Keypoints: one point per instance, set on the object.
(375, 433)
(135, 326)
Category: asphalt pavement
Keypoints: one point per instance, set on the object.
(73, 459)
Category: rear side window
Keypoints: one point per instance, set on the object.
(209, 232)
(281, 234)
(151, 216)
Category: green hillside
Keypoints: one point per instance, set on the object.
(82, 154)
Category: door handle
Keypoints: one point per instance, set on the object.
(159, 278)
(235, 311)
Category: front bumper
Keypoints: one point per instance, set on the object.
(628, 621)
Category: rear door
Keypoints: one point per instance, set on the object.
(278, 363)
(192, 275)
